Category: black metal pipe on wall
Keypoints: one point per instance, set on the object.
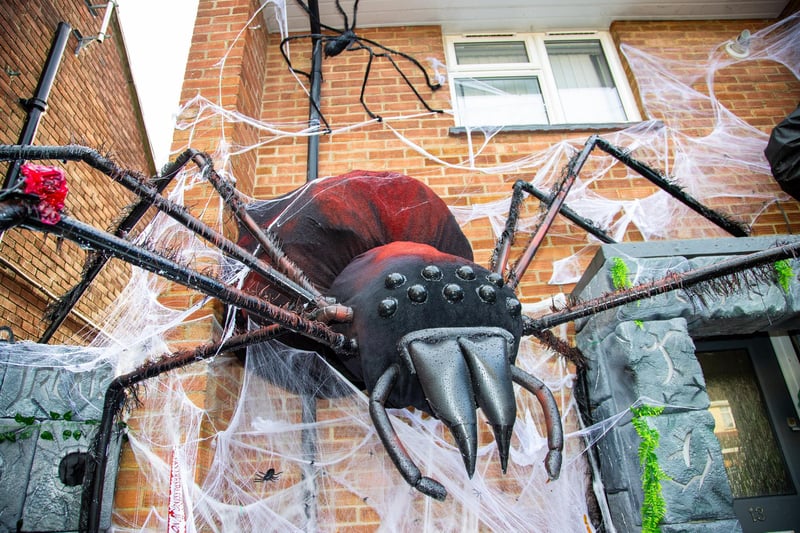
(314, 118)
(37, 105)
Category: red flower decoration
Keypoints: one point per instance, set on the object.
(50, 185)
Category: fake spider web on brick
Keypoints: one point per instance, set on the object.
(205, 432)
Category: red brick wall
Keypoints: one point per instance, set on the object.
(255, 82)
(91, 103)
(760, 92)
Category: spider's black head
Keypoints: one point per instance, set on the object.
(450, 327)
(405, 287)
(336, 46)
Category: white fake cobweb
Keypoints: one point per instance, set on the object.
(204, 433)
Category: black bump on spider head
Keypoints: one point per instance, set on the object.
(453, 292)
(495, 279)
(487, 293)
(394, 280)
(387, 307)
(417, 293)
(465, 272)
(513, 306)
(432, 273)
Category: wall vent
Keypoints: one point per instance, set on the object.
(568, 33)
(479, 35)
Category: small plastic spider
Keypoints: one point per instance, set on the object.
(347, 40)
(269, 475)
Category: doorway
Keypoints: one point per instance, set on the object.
(756, 424)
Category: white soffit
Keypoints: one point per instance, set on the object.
(527, 15)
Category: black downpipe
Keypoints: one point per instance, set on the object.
(312, 166)
(309, 437)
(37, 105)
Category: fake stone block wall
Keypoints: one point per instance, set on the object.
(47, 420)
(644, 353)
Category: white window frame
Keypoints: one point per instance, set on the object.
(538, 66)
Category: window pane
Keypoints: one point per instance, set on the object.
(750, 451)
(585, 85)
(500, 101)
(488, 53)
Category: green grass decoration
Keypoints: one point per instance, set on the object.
(654, 508)
(784, 273)
(619, 274)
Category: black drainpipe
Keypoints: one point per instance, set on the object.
(37, 105)
(312, 166)
(309, 436)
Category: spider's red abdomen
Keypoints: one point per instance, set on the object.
(328, 222)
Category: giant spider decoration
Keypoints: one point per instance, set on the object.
(346, 40)
(393, 299)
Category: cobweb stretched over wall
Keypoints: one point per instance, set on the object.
(199, 454)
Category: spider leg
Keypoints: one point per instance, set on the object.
(355, 14)
(555, 433)
(432, 86)
(285, 55)
(684, 280)
(388, 52)
(559, 197)
(344, 15)
(555, 204)
(149, 193)
(88, 236)
(402, 461)
(506, 240)
(318, 40)
(95, 263)
(114, 400)
(232, 199)
(311, 15)
(356, 45)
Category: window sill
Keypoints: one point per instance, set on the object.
(550, 128)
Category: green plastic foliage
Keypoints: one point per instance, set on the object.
(26, 423)
(784, 273)
(654, 508)
(619, 274)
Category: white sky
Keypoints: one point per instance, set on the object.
(158, 34)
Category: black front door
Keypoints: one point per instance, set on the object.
(757, 429)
